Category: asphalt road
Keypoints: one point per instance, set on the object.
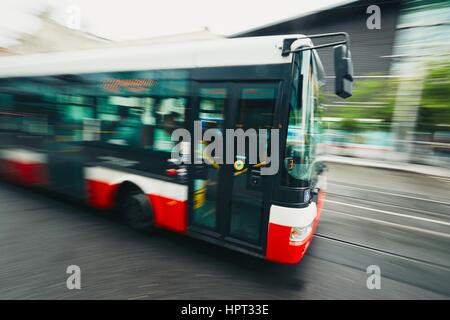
(395, 220)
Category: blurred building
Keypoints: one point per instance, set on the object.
(391, 115)
(52, 36)
(421, 58)
(371, 49)
(400, 108)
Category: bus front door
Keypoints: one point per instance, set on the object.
(231, 198)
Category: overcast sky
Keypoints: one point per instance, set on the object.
(136, 19)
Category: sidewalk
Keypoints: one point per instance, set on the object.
(409, 167)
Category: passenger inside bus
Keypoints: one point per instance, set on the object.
(148, 125)
(169, 116)
(127, 130)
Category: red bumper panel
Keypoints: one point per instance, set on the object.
(280, 248)
(29, 174)
(168, 213)
(101, 195)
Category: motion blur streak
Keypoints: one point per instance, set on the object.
(387, 151)
(40, 237)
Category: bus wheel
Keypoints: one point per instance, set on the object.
(137, 212)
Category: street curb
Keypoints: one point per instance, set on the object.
(408, 167)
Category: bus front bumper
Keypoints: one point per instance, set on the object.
(291, 231)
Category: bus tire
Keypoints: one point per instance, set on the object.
(137, 212)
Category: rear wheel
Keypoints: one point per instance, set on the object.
(137, 212)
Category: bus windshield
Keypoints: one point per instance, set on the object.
(304, 125)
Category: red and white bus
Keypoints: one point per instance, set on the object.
(96, 125)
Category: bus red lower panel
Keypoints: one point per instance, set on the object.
(101, 195)
(169, 213)
(280, 247)
(29, 174)
(168, 200)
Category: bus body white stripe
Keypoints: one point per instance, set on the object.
(178, 55)
(148, 185)
(23, 156)
(293, 217)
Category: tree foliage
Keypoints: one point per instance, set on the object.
(434, 114)
(373, 98)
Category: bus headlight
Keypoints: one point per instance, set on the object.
(299, 234)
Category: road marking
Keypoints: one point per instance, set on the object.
(391, 213)
(432, 213)
(392, 254)
(391, 193)
(139, 297)
(436, 233)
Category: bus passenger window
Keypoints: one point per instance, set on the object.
(169, 115)
(24, 113)
(71, 121)
(256, 107)
(128, 129)
(123, 120)
(9, 118)
(143, 122)
(108, 117)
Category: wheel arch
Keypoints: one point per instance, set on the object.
(125, 188)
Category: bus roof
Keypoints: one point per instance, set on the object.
(184, 55)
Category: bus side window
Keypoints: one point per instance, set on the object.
(124, 119)
(10, 119)
(70, 126)
(24, 112)
(256, 107)
(108, 116)
(169, 115)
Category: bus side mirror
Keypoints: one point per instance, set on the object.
(343, 68)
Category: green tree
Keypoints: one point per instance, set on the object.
(434, 113)
(373, 98)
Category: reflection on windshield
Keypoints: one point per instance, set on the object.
(304, 128)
